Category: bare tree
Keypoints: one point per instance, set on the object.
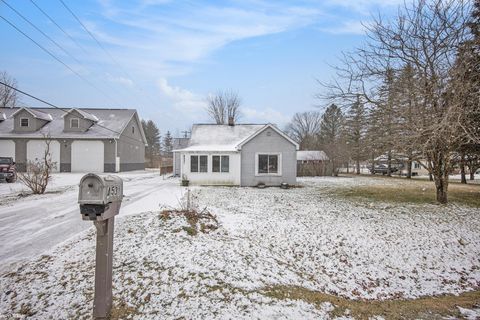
(8, 96)
(425, 35)
(304, 129)
(39, 172)
(224, 105)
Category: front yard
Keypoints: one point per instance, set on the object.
(303, 253)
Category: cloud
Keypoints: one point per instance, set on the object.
(364, 6)
(267, 115)
(122, 80)
(347, 27)
(182, 100)
(160, 33)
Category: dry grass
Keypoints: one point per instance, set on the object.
(412, 191)
(437, 307)
(202, 221)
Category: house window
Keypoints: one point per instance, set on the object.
(416, 165)
(74, 123)
(198, 163)
(220, 163)
(23, 122)
(133, 130)
(268, 164)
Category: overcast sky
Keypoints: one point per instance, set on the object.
(164, 57)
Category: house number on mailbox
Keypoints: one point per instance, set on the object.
(112, 191)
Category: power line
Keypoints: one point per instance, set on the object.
(39, 30)
(58, 26)
(70, 37)
(57, 59)
(65, 111)
(103, 48)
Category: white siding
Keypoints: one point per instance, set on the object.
(36, 152)
(87, 156)
(7, 148)
(212, 178)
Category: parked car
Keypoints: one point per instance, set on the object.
(8, 171)
(382, 168)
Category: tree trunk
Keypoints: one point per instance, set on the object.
(430, 177)
(462, 168)
(441, 186)
(409, 168)
(472, 175)
(389, 164)
(358, 166)
(373, 163)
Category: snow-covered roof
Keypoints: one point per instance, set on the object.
(223, 137)
(110, 123)
(84, 114)
(217, 137)
(36, 113)
(311, 155)
(180, 143)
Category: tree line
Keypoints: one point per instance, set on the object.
(411, 89)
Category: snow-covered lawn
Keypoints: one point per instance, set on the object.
(272, 238)
(31, 224)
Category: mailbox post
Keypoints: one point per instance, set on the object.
(100, 198)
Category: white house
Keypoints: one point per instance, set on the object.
(240, 155)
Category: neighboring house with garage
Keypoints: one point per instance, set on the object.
(239, 155)
(81, 140)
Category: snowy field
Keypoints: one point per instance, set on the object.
(272, 238)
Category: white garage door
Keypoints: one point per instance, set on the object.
(36, 152)
(7, 148)
(87, 156)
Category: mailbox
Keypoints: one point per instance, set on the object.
(100, 197)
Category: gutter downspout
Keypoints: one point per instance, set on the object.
(116, 156)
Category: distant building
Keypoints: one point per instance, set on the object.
(82, 140)
(178, 144)
(400, 162)
(312, 163)
(242, 155)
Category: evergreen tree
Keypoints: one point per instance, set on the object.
(152, 134)
(355, 127)
(384, 114)
(331, 136)
(168, 142)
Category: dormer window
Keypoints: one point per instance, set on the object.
(24, 122)
(74, 123)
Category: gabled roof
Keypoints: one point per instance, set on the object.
(219, 137)
(35, 113)
(311, 155)
(111, 123)
(180, 143)
(84, 114)
(265, 127)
